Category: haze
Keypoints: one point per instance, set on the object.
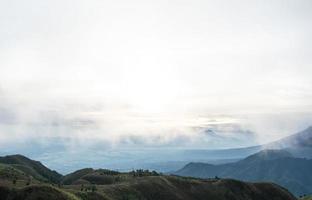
(155, 73)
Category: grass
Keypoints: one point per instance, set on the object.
(306, 198)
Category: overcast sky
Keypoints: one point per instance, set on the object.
(104, 69)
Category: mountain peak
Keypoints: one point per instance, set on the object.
(297, 140)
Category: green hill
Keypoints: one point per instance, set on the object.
(91, 176)
(75, 176)
(32, 168)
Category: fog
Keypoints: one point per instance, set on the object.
(154, 73)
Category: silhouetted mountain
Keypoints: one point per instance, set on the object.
(31, 168)
(277, 166)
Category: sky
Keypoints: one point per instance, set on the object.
(195, 74)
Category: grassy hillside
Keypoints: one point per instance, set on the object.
(91, 176)
(75, 176)
(169, 187)
(8, 172)
(35, 192)
(152, 188)
(306, 198)
(32, 168)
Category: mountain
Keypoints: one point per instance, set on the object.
(30, 168)
(54, 154)
(299, 144)
(102, 184)
(302, 139)
(277, 166)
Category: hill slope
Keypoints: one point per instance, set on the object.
(176, 188)
(277, 166)
(35, 192)
(156, 188)
(91, 176)
(31, 168)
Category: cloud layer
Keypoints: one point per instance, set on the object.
(154, 73)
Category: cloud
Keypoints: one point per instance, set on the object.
(147, 73)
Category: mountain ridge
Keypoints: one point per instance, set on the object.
(90, 184)
(278, 166)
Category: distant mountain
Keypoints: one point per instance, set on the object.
(299, 144)
(31, 168)
(277, 166)
(302, 139)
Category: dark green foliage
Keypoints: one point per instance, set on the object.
(141, 172)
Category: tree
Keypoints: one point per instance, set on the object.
(93, 188)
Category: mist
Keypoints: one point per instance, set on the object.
(198, 74)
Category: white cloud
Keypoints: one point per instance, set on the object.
(150, 67)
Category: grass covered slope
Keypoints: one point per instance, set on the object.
(91, 176)
(306, 198)
(155, 188)
(35, 192)
(152, 188)
(31, 167)
(177, 188)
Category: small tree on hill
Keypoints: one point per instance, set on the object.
(14, 181)
(93, 188)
